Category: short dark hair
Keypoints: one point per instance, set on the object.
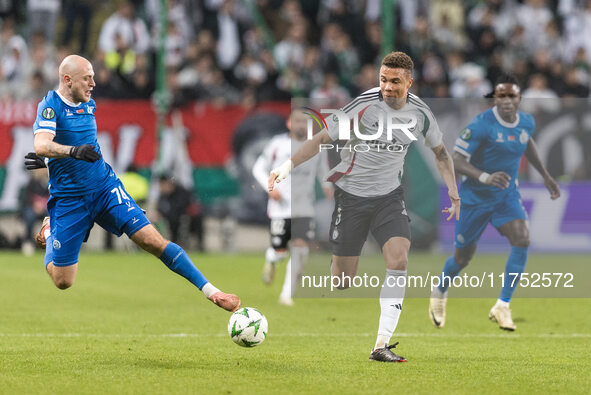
(398, 60)
(504, 78)
(507, 78)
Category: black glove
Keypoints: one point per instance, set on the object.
(33, 161)
(85, 152)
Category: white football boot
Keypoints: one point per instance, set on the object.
(437, 304)
(501, 314)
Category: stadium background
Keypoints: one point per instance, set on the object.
(195, 88)
(130, 326)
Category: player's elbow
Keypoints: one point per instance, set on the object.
(40, 147)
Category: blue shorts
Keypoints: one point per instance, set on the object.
(72, 217)
(474, 218)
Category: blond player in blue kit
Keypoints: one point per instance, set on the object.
(85, 190)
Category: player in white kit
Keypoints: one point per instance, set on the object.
(368, 195)
(291, 210)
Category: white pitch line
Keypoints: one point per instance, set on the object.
(188, 335)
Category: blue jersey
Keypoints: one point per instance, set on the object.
(72, 125)
(491, 145)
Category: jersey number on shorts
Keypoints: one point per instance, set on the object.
(277, 226)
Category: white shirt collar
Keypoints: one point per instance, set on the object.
(69, 103)
(505, 123)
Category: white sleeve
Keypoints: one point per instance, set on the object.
(262, 168)
(323, 169)
(433, 136)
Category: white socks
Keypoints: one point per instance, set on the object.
(502, 303)
(273, 256)
(208, 290)
(295, 265)
(391, 297)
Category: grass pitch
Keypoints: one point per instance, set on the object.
(129, 325)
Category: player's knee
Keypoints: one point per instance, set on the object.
(463, 261)
(154, 244)
(63, 283)
(398, 262)
(520, 241)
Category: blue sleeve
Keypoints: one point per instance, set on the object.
(471, 137)
(46, 120)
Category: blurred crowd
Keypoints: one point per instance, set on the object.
(231, 51)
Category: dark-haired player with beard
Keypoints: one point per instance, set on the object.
(488, 152)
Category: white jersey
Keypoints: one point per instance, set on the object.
(296, 202)
(374, 167)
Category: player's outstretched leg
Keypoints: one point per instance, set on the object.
(177, 260)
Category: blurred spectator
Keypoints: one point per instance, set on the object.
(534, 16)
(13, 59)
(228, 30)
(182, 212)
(78, 12)
(538, 96)
(572, 85)
(366, 79)
(124, 29)
(290, 51)
(34, 203)
(42, 16)
(470, 82)
(330, 93)
(370, 43)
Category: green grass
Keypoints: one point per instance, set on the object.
(130, 326)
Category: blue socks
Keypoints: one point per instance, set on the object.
(515, 264)
(450, 270)
(48, 250)
(177, 260)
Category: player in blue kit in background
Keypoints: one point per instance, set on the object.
(488, 153)
(84, 189)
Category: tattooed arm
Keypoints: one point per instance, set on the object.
(46, 147)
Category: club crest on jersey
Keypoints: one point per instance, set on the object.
(90, 109)
(523, 137)
(466, 134)
(48, 113)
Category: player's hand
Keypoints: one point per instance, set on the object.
(34, 161)
(454, 210)
(85, 152)
(552, 187)
(279, 173)
(275, 195)
(499, 179)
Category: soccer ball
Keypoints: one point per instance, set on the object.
(248, 327)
